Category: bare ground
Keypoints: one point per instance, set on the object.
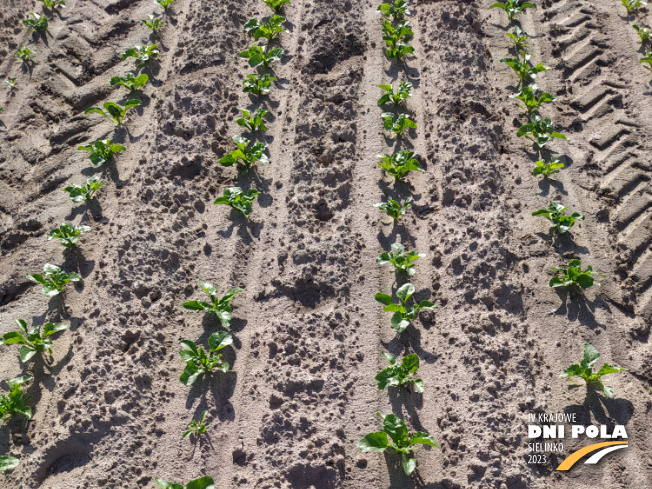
(109, 409)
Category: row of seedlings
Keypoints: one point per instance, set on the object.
(38, 339)
(540, 131)
(643, 32)
(198, 361)
(53, 279)
(397, 34)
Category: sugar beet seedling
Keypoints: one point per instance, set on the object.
(402, 261)
(33, 341)
(16, 401)
(403, 314)
(400, 374)
(513, 7)
(585, 370)
(221, 307)
(199, 362)
(401, 442)
(53, 279)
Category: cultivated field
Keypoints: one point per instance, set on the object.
(108, 409)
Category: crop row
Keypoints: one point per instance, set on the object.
(540, 131)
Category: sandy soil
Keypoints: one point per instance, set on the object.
(109, 409)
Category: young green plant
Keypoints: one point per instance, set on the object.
(36, 22)
(396, 38)
(153, 23)
(400, 374)
(11, 83)
(53, 279)
(258, 84)
(141, 54)
(8, 462)
(246, 155)
(395, 34)
(269, 29)
(402, 261)
(547, 169)
(643, 33)
(398, 98)
(102, 151)
(647, 59)
(523, 68)
(68, 234)
(518, 37)
(205, 482)
(632, 5)
(196, 427)
(165, 4)
(221, 307)
(81, 193)
(555, 214)
(238, 200)
(276, 5)
(403, 314)
(585, 370)
(573, 277)
(539, 131)
(397, 125)
(130, 82)
(401, 442)
(25, 55)
(253, 122)
(115, 112)
(199, 362)
(394, 209)
(34, 341)
(262, 55)
(513, 7)
(531, 101)
(53, 4)
(396, 9)
(16, 401)
(399, 164)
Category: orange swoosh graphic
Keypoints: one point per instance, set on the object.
(575, 456)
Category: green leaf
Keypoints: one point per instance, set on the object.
(51, 328)
(205, 482)
(18, 381)
(409, 464)
(423, 438)
(196, 305)
(398, 323)
(411, 362)
(220, 340)
(389, 357)
(573, 371)
(383, 298)
(608, 390)
(396, 429)
(609, 369)
(209, 288)
(26, 354)
(190, 374)
(405, 292)
(376, 442)
(12, 338)
(8, 462)
(162, 484)
(95, 110)
(418, 385)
